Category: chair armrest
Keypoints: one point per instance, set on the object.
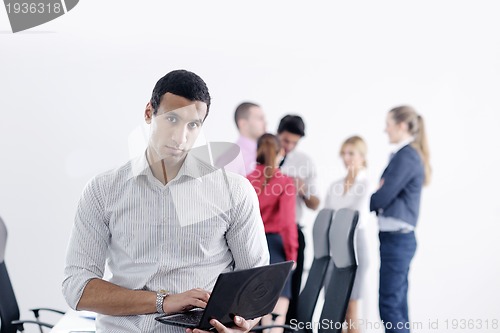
(36, 311)
(19, 324)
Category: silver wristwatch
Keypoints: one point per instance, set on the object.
(160, 297)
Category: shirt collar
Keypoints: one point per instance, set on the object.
(398, 146)
(243, 141)
(290, 156)
(191, 167)
(139, 166)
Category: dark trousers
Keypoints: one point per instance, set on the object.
(396, 252)
(296, 278)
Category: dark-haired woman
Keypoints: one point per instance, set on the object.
(276, 193)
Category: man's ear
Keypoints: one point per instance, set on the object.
(148, 113)
(403, 126)
(241, 123)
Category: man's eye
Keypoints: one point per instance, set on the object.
(171, 119)
(193, 125)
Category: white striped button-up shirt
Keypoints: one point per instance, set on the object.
(151, 236)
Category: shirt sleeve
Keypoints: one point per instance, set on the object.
(86, 252)
(329, 197)
(310, 180)
(396, 176)
(361, 201)
(361, 190)
(245, 236)
(287, 215)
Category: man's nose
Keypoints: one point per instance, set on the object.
(179, 135)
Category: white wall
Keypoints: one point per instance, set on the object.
(72, 91)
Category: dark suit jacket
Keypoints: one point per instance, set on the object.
(399, 196)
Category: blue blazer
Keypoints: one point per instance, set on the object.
(399, 197)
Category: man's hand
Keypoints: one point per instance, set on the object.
(241, 325)
(194, 298)
(300, 187)
(311, 201)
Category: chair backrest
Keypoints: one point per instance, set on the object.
(9, 309)
(343, 270)
(3, 239)
(309, 295)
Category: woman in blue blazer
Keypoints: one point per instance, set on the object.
(397, 203)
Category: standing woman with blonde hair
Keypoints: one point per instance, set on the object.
(351, 191)
(276, 193)
(397, 203)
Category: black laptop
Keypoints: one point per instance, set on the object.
(248, 293)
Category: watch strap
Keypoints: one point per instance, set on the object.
(160, 297)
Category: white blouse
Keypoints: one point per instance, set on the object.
(356, 198)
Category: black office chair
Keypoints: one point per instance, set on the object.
(309, 295)
(9, 310)
(342, 272)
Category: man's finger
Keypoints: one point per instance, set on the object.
(201, 294)
(218, 326)
(240, 322)
(199, 303)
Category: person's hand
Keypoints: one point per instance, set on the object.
(194, 298)
(241, 325)
(381, 183)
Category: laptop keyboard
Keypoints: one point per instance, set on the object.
(191, 317)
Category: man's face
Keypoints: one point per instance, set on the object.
(175, 127)
(255, 124)
(288, 141)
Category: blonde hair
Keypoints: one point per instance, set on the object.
(416, 127)
(359, 144)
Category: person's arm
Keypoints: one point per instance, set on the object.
(397, 174)
(329, 197)
(245, 236)
(247, 241)
(107, 298)
(83, 286)
(312, 202)
(90, 236)
(304, 192)
(287, 215)
(310, 195)
(361, 192)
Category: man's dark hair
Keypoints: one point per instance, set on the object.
(293, 124)
(242, 111)
(181, 83)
